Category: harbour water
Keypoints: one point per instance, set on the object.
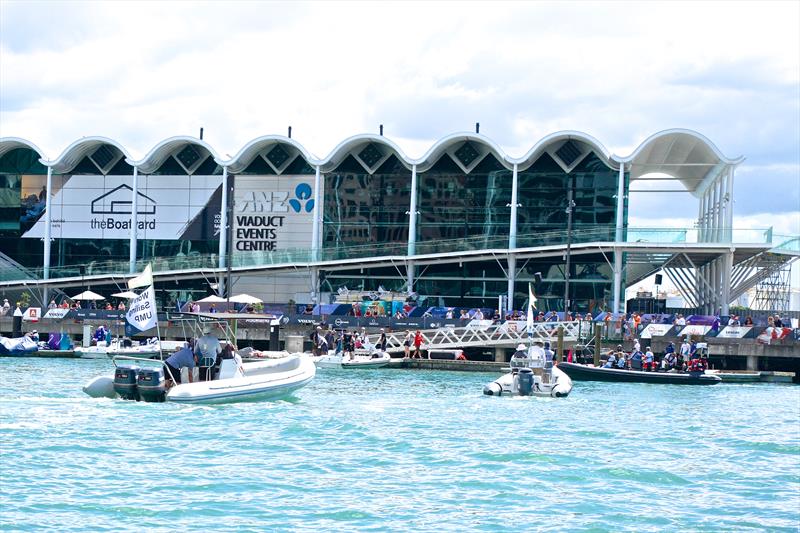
(397, 450)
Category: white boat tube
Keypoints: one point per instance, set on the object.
(551, 383)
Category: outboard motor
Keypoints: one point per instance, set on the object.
(150, 385)
(525, 381)
(125, 382)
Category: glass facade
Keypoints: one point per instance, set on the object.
(366, 202)
(23, 186)
(363, 208)
(454, 205)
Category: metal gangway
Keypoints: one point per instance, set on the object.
(488, 334)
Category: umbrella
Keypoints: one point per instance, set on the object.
(125, 294)
(212, 299)
(245, 299)
(88, 295)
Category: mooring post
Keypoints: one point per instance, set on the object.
(598, 343)
(560, 345)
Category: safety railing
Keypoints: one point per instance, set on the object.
(306, 255)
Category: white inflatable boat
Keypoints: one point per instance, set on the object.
(374, 359)
(149, 349)
(235, 381)
(531, 375)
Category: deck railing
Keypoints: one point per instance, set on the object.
(495, 242)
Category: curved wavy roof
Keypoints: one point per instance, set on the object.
(75, 152)
(12, 143)
(683, 154)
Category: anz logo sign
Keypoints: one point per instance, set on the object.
(278, 201)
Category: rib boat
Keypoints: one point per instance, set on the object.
(580, 372)
(374, 359)
(530, 375)
(235, 381)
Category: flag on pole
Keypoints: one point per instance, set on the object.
(531, 307)
(145, 279)
(142, 313)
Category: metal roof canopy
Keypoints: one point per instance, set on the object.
(682, 154)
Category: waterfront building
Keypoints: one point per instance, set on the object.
(464, 225)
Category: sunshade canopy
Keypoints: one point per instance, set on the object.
(125, 294)
(88, 295)
(245, 299)
(211, 299)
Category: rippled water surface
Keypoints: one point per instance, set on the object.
(402, 450)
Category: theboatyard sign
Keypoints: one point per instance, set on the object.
(101, 207)
(272, 213)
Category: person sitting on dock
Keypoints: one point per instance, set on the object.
(174, 363)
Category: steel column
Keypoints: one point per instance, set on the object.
(412, 229)
(618, 238)
(726, 281)
(48, 213)
(512, 238)
(315, 222)
(223, 221)
(134, 213)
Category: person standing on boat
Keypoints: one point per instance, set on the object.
(183, 358)
(382, 341)
(349, 344)
(686, 349)
(649, 359)
(549, 355)
(207, 348)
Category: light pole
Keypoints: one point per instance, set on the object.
(570, 206)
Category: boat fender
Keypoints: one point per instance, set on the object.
(493, 389)
(100, 387)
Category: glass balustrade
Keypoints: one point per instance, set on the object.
(784, 243)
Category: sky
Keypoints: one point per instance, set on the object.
(140, 72)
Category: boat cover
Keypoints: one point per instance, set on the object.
(17, 346)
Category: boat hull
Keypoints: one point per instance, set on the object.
(359, 361)
(507, 385)
(268, 380)
(591, 373)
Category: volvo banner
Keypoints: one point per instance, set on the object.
(101, 207)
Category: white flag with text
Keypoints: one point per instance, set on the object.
(142, 280)
(142, 311)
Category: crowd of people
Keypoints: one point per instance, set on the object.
(346, 342)
(685, 359)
